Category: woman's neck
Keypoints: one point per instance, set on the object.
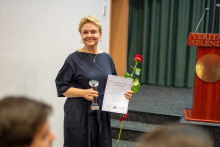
(92, 50)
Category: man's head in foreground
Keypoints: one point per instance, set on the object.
(24, 123)
(176, 136)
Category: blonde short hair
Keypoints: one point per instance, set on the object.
(90, 19)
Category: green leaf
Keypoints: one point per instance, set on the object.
(126, 75)
(138, 69)
(136, 88)
(131, 76)
(132, 67)
(135, 82)
(137, 72)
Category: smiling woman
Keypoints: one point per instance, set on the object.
(90, 30)
(90, 36)
(84, 127)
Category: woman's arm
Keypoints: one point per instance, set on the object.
(76, 92)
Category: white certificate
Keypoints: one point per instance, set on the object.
(114, 97)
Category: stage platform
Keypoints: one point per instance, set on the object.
(153, 106)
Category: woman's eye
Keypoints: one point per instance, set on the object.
(93, 32)
(84, 32)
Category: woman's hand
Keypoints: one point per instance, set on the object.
(128, 94)
(89, 94)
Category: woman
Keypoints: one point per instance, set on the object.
(23, 123)
(84, 127)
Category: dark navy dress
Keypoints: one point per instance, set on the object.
(82, 126)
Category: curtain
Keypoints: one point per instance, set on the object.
(158, 30)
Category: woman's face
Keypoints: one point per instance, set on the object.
(43, 137)
(90, 34)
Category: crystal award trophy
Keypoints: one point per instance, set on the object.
(94, 84)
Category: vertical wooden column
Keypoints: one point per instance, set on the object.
(118, 34)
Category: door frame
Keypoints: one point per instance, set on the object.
(118, 32)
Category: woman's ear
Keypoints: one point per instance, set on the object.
(100, 35)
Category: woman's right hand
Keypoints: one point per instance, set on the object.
(90, 93)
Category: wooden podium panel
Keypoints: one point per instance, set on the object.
(206, 104)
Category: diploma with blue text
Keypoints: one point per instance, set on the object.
(114, 97)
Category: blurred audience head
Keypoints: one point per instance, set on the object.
(24, 123)
(176, 136)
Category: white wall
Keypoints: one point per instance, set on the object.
(36, 36)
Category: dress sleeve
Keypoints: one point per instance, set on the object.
(114, 72)
(64, 79)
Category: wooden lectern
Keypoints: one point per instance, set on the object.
(206, 105)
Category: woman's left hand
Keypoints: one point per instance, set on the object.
(128, 94)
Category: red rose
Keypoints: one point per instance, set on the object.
(138, 58)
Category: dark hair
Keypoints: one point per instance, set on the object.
(176, 136)
(20, 119)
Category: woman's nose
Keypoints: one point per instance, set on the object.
(89, 34)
